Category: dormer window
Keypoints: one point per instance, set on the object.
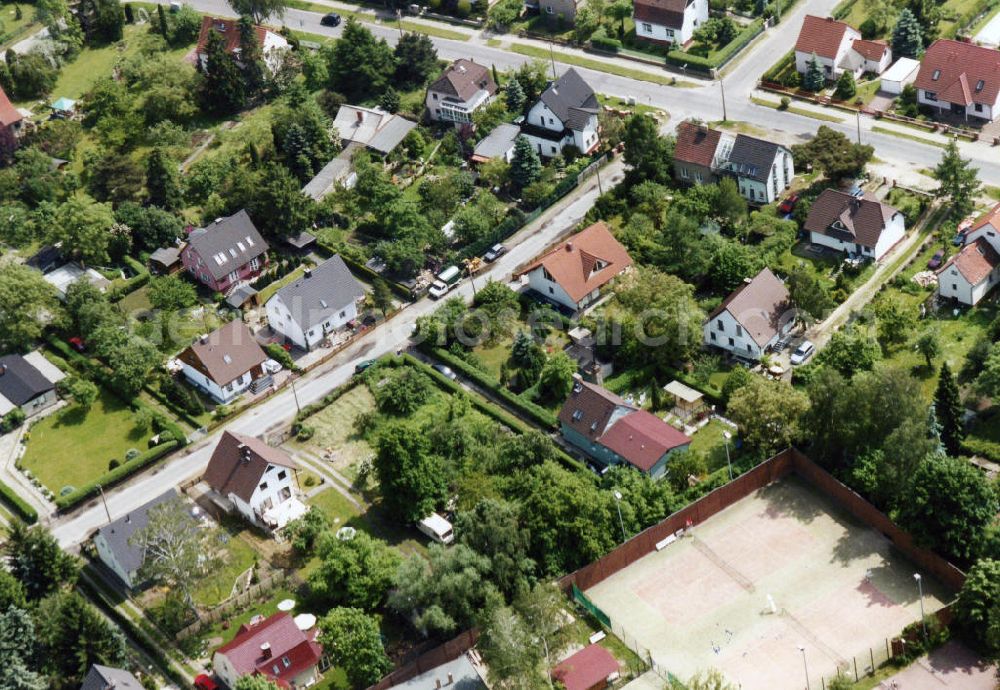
(936, 75)
(979, 85)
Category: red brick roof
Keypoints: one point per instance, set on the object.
(966, 73)
(849, 218)
(821, 35)
(585, 669)
(696, 143)
(870, 50)
(585, 262)
(975, 261)
(663, 12)
(463, 79)
(642, 438)
(991, 218)
(8, 113)
(230, 30)
(286, 642)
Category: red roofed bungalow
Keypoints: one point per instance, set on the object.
(614, 432)
(271, 43)
(275, 648)
(589, 669)
(9, 117)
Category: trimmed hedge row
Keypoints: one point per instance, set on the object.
(488, 408)
(149, 645)
(140, 278)
(23, 509)
(535, 413)
(980, 446)
(116, 475)
(696, 62)
(183, 415)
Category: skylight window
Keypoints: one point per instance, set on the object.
(936, 75)
(232, 252)
(322, 303)
(241, 246)
(227, 359)
(979, 85)
(249, 241)
(577, 415)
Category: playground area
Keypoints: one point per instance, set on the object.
(779, 570)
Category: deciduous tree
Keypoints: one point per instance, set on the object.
(25, 301)
(410, 476)
(353, 642)
(492, 529)
(834, 154)
(353, 572)
(259, 10)
(769, 414)
(977, 608)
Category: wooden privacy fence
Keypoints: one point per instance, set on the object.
(239, 601)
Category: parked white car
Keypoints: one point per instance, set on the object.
(803, 352)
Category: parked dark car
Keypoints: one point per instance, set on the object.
(495, 252)
(362, 365)
(789, 204)
(936, 260)
(331, 19)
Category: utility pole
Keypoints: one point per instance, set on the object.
(295, 394)
(722, 85)
(399, 21)
(858, 113)
(552, 58)
(105, 501)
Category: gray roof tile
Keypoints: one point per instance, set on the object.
(326, 289)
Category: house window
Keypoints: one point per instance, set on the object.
(739, 331)
(343, 314)
(648, 28)
(979, 85)
(697, 176)
(979, 107)
(684, 173)
(434, 96)
(954, 286)
(577, 415)
(930, 95)
(732, 343)
(263, 486)
(551, 290)
(276, 669)
(936, 75)
(749, 349)
(282, 474)
(718, 324)
(553, 149)
(548, 9)
(285, 494)
(286, 661)
(232, 277)
(829, 70)
(267, 504)
(254, 264)
(711, 335)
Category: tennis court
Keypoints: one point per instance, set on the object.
(838, 590)
(990, 34)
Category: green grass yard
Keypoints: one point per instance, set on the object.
(73, 447)
(235, 558)
(598, 65)
(13, 29)
(335, 432)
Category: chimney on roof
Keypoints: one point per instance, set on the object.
(265, 650)
(203, 338)
(244, 453)
(451, 678)
(437, 683)
(128, 519)
(359, 116)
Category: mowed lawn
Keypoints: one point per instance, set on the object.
(73, 447)
(235, 557)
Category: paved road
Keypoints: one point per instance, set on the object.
(280, 408)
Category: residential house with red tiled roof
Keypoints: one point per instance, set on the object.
(274, 648)
(272, 44)
(591, 668)
(961, 78)
(752, 318)
(10, 118)
(968, 276)
(762, 169)
(254, 479)
(613, 431)
(462, 89)
(838, 47)
(573, 273)
(860, 226)
(668, 22)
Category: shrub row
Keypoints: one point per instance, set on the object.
(981, 446)
(707, 64)
(535, 413)
(633, 378)
(140, 278)
(116, 475)
(135, 632)
(160, 396)
(23, 509)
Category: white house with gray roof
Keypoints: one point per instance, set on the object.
(565, 115)
(322, 301)
(379, 131)
(114, 541)
(763, 169)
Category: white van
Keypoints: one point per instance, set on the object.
(437, 528)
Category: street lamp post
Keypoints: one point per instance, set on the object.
(729, 462)
(805, 665)
(722, 86)
(920, 588)
(618, 504)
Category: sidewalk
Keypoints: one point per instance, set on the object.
(10, 451)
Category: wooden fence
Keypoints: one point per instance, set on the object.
(251, 595)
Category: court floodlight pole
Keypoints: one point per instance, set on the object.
(920, 587)
(618, 504)
(805, 665)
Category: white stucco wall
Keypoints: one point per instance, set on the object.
(212, 388)
(724, 328)
(988, 112)
(694, 15)
(539, 283)
(280, 318)
(895, 231)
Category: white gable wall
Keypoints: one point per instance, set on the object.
(725, 332)
(551, 289)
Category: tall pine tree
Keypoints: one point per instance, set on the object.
(525, 166)
(959, 182)
(222, 88)
(251, 60)
(907, 38)
(162, 180)
(948, 408)
(813, 80)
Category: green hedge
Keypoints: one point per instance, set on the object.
(22, 508)
(637, 378)
(980, 446)
(140, 278)
(843, 9)
(183, 415)
(707, 64)
(116, 475)
(535, 413)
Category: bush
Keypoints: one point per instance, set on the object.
(305, 432)
(281, 356)
(113, 463)
(463, 8)
(131, 454)
(12, 420)
(785, 102)
(601, 41)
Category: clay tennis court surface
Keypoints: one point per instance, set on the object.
(838, 588)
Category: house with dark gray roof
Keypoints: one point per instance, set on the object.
(860, 226)
(114, 541)
(108, 678)
(763, 169)
(319, 303)
(226, 253)
(463, 88)
(28, 383)
(565, 115)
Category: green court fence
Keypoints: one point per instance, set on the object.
(586, 603)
